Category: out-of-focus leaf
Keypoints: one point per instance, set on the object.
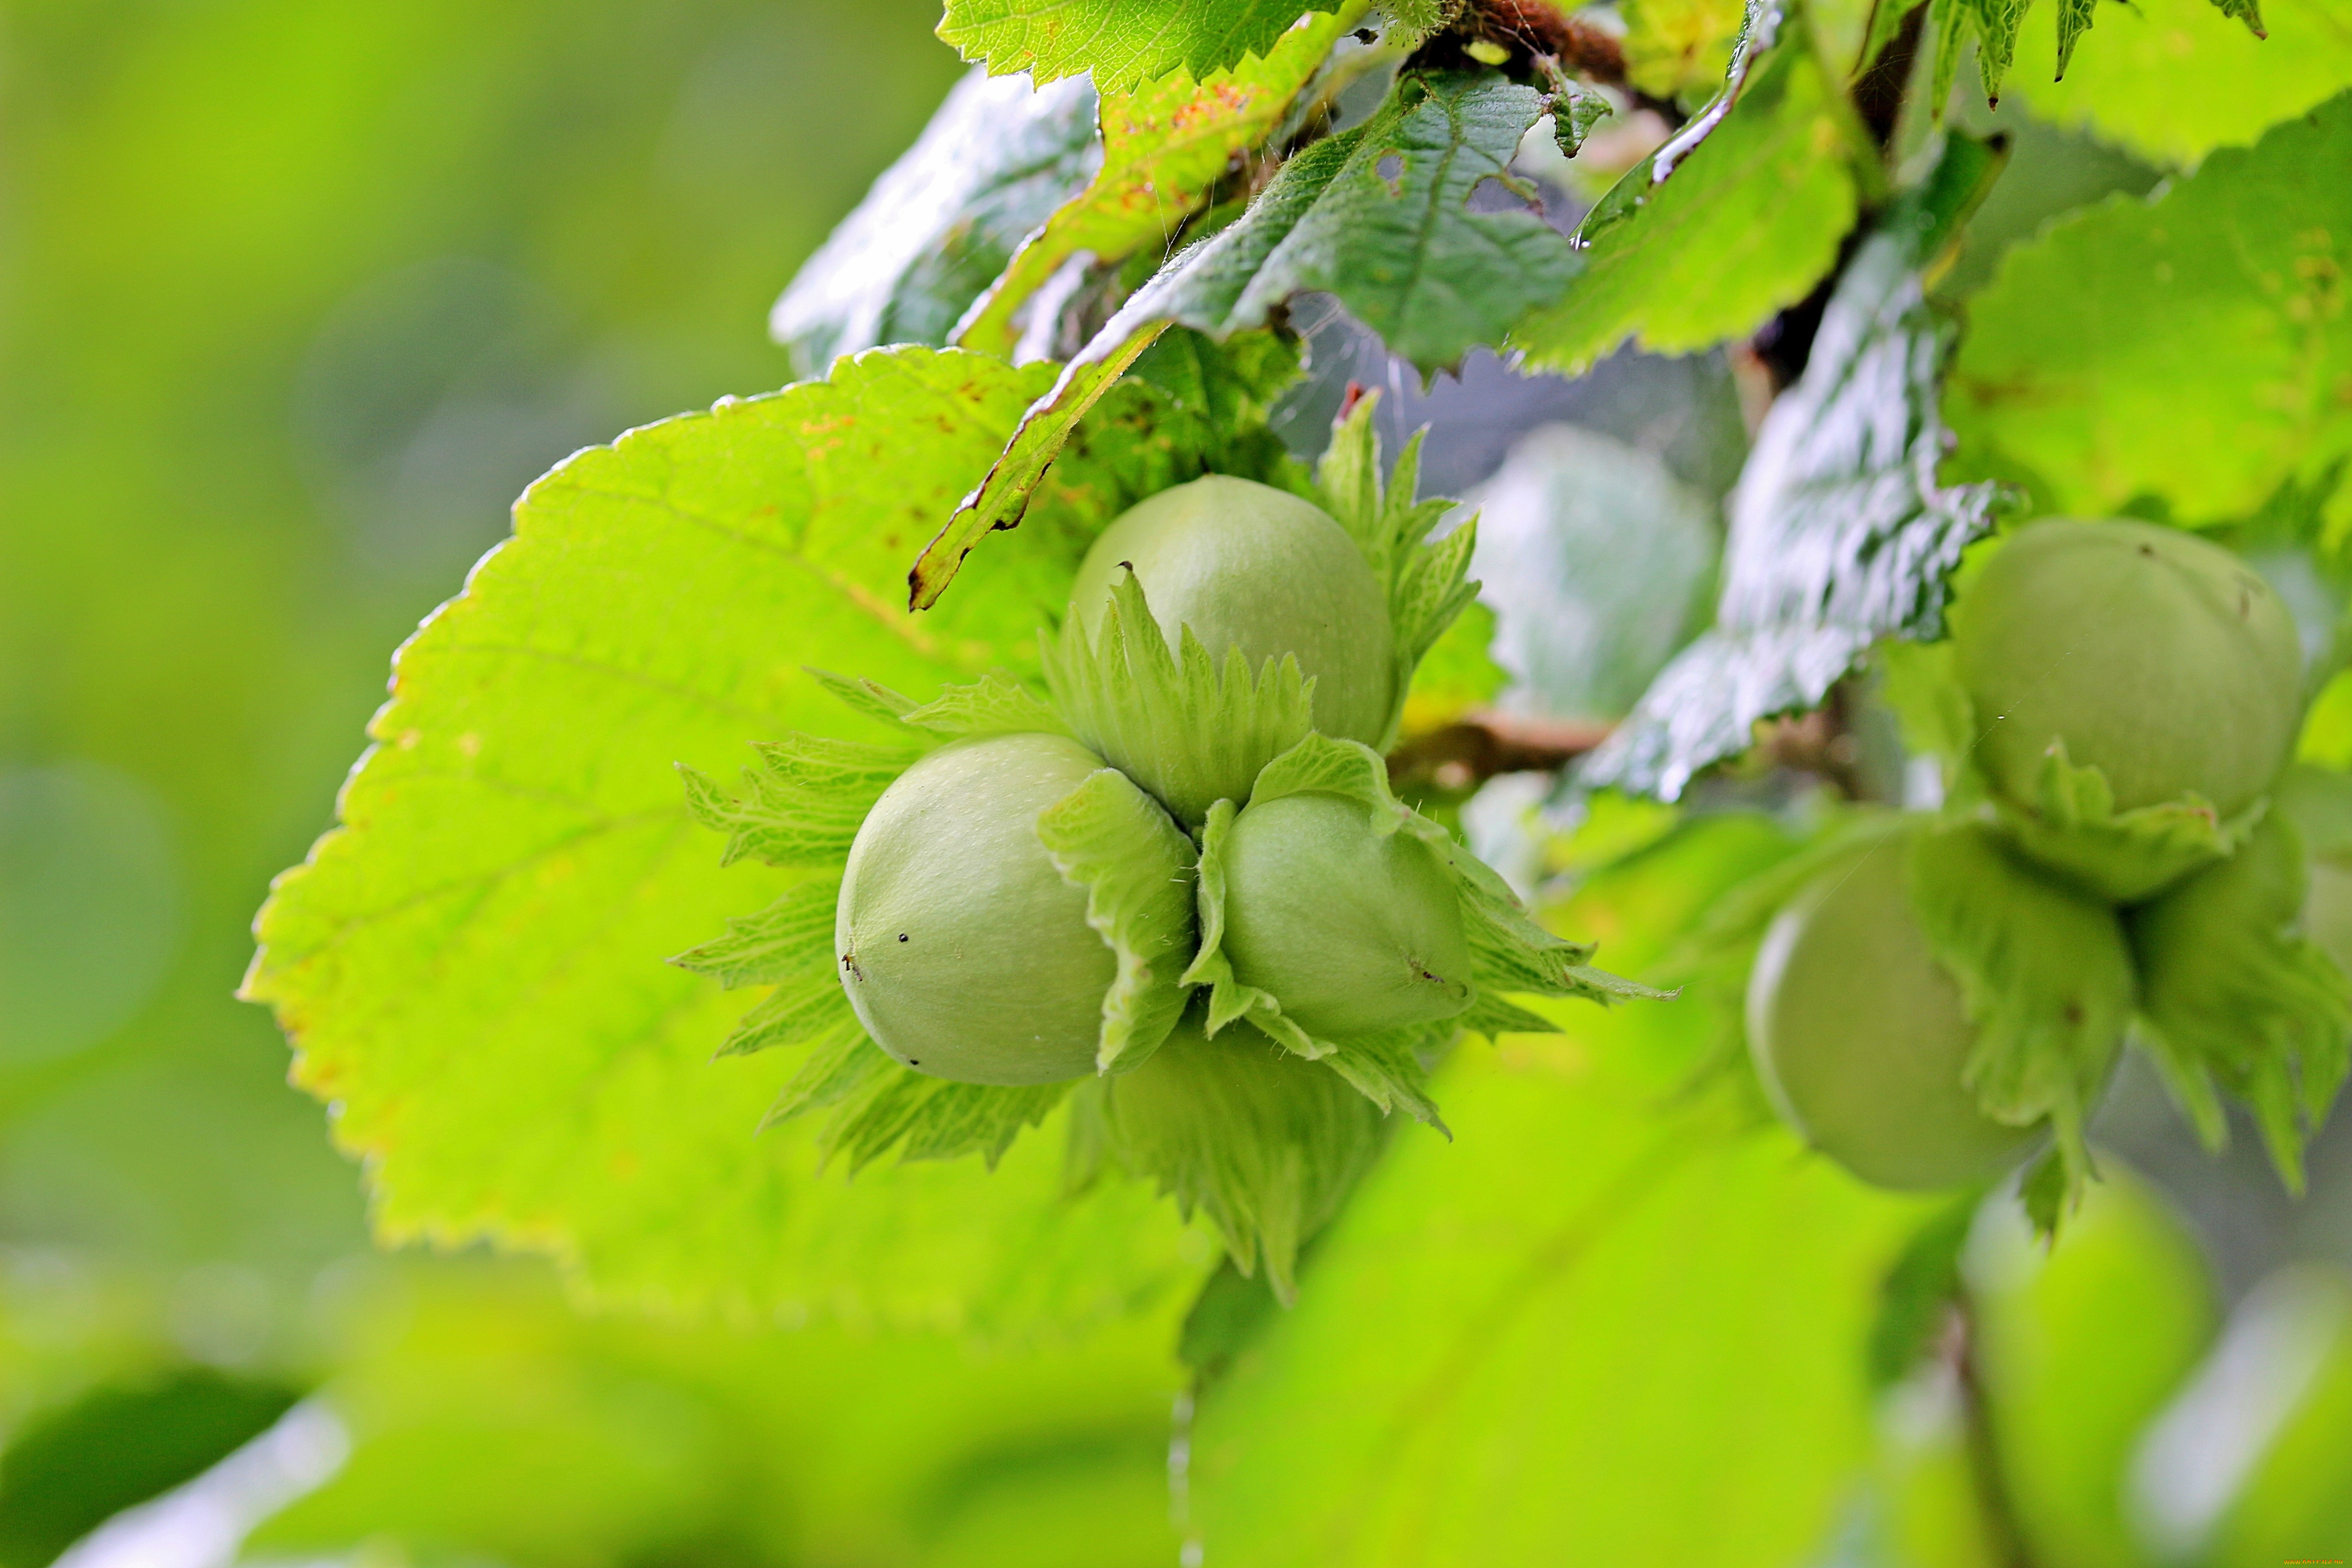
(2172, 79)
(2194, 348)
(1165, 146)
(1454, 1384)
(1376, 216)
(2283, 1375)
(943, 221)
(2078, 1347)
(67, 1472)
(1678, 47)
(1991, 25)
(1748, 222)
(1120, 42)
(471, 966)
(1596, 561)
(1840, 532)
(488, 1420)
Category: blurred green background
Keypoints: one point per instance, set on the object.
(295, 297)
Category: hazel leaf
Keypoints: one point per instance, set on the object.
(1193, 406)
(943, 221)
(1748, 222)
(1111, 838)
(481, 939)
(2204, 350)
(1119, 42)
(1841, 534)
(1167, 144)
(1377, 216)
(1575, 108)
(2044, 973)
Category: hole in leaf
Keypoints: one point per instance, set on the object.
(1390, 169)
(1492, 196)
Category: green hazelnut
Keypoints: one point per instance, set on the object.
(964, 952)
(1860, 1035)
(2157, 656)
(1246, 566)
(1351, 930)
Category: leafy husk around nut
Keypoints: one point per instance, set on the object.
(1356, 930)
(1509, 952)
(2234, 992)
(1192, 698)
(1126, 865)
(1862, 1038)
(1190, 729)
(2044, 974)
(2124, 695)
(1263, 1142)
(1244, 566)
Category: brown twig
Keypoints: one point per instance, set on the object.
(2005, 1536)
(1482, 744)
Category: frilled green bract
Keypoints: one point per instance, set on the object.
(1264, 1142)
(2132, 692)
(1862, 1038)
(1508, 951)
(2044, 974)
(1246, 566)
(1193, 730)
(2233, 991)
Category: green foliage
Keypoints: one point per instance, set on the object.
(2204, 342)
(1571, 1219)
(490, 1420)
(942, 222)
(1166, 146)
(1992, 26)
(1119, 42)
(515, 859)
(1376, 216)
(1601, 564)
(1748, 223)
(2080, 1344)
(2152, 58)
(1841, 534)
(66, 1473)
(1193, 407)
(1678, 48)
